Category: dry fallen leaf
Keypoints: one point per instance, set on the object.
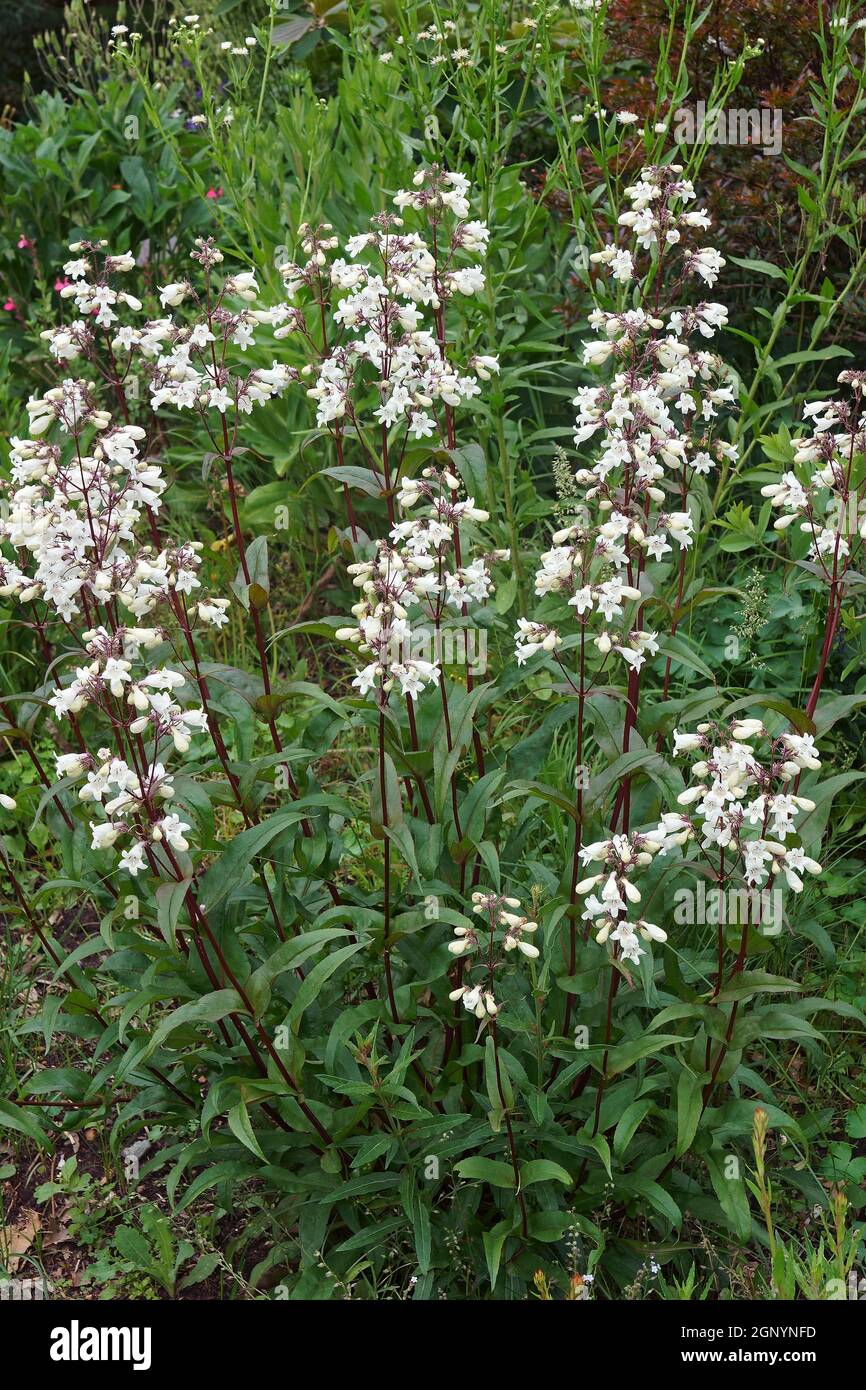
(15, 1241)
(57, 1235)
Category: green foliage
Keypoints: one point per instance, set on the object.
(292, 1037)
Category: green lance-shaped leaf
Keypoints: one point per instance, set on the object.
(486, 1170)
(493, 1243)
(689, 1108)
(255, 593)
(210, 1008)
(229, 870)
(543, 1170)
(288, 956)
(241, 1128)
(317, 978)
(445, 762)
(16, 1117)
(724, 1171)
(391, 813)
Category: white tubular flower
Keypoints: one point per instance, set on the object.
(532, 638)
(71, 764)
(686, 743)
(649, 932)
(625, 937)
(133, 859)
(104, 834)
(464, 941)
(243, 285)
(170, 829)
(586, 885)
(172, 295)
(746, 729)
(707, 263)
(690, 796)
(596, 354)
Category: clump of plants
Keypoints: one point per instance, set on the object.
(464, 918)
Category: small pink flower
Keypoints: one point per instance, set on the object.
(10, 306)
(214, 193)
(24, 243)
(61, 284)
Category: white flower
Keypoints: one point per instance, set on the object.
(133, 860)
(686, 743)
(104, 834)
(171, 829)
(70, 764)
(173, 295)
(707, 263)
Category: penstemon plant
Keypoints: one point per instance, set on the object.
(635, 499)
(78, 511)
(272, 965)
(747, 814)
(836, 449)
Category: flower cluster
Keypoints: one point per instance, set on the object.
(412, 578)
(90, 273)
(657, 218)
(74, 509)
(828, 494)
(137, 806)
(191, 367)
(81, 499)
(187, 362)
(502, 933)
(745, 806)
(378, 355)
(376, 294)
(606, 910)
(655, 420)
